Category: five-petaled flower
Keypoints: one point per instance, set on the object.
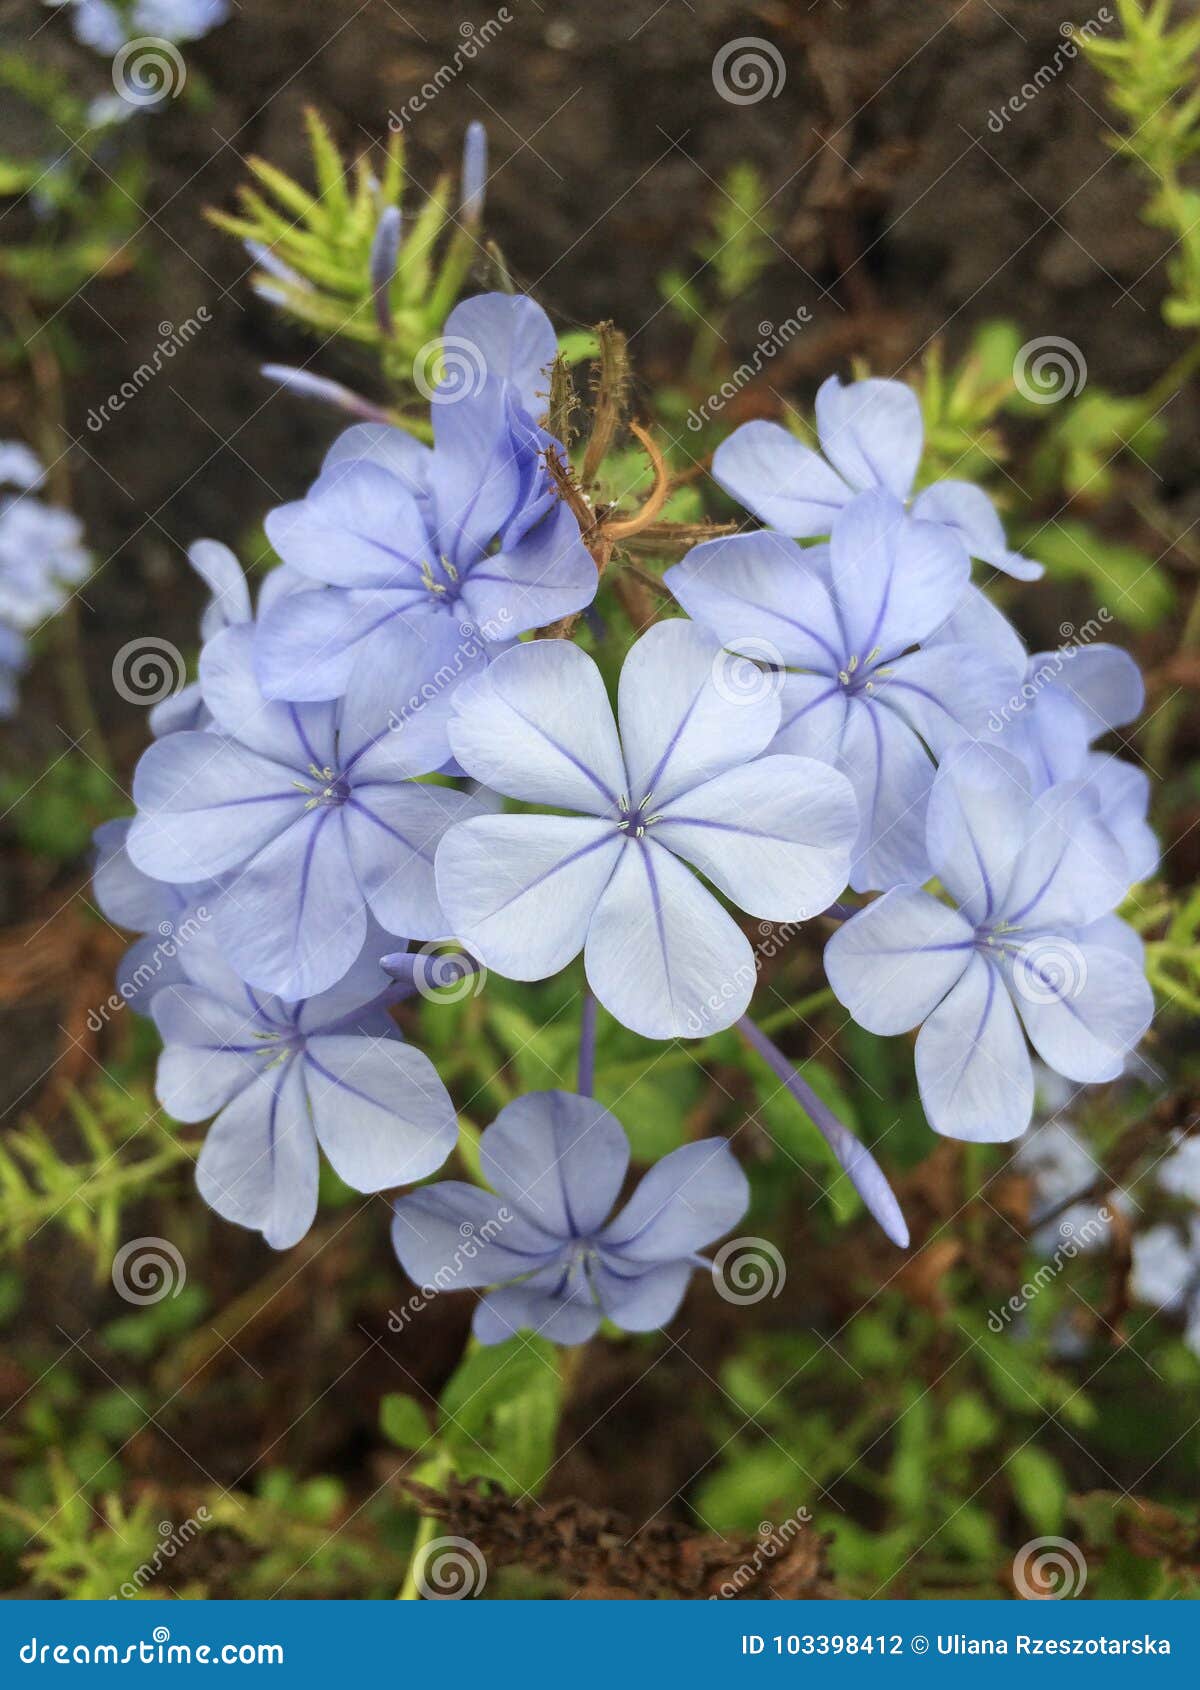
(313, 806)
(872, 436)
(1032, 942)
(470, 532)
(684, 783)
(283, 1078)
(866, 689)
(556, 1163)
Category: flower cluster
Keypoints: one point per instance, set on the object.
(386, 750)
(41, 558)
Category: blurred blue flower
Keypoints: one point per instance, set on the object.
(469, 533)
(684, 783)
(1032, 943)
(556, 1163)
(107, 25)
(282, 1078)
(313, 807)
(1166, 1274)
(867, 688)
(41, 557)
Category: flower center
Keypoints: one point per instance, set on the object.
(440, 581)
(634, 819)
(277, 1047)
(858, 675)
(333, 788)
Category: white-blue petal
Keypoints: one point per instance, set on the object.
(973, 1068)
(662, 955)
(520, 891)
(774, 836)
(894, 962)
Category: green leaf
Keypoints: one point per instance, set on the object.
(1126, 580)
(403, 1420)
(499, 1413)
(1039, 1487)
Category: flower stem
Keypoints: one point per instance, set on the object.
(586, 1083)
(427, 1527)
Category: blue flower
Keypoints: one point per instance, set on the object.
(872, 436)
(312, 805)
(844, 621)
(106, 24)
(1062, 703)
(41, 556)
(41, 549)
(14, 660)
(282, 1078)
(167, 916)
(468, 533)
(1031, 944)
(228, 606)
(556, 1163)
(684, 783)
(1166, 1274)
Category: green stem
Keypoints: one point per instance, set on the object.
(427, 1527)
(1162, 727)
